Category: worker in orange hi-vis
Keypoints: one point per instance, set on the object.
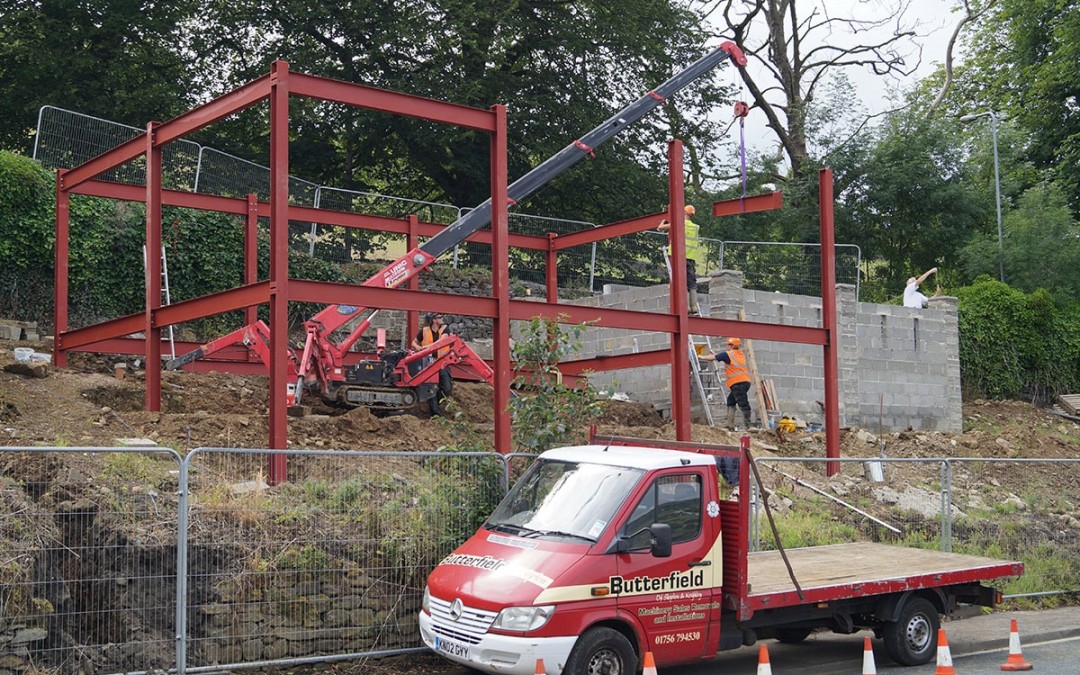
(695, 255)
(737, 379)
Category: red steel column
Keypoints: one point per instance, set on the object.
(153, 270)
(412, 240)
(60, 291)
(680, 350)
(251, 252)
(552, 272)
(500, 281)
(279, 265)
(828, 318)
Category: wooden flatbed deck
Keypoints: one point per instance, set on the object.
(852, 570)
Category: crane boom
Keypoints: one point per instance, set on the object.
(558, 163)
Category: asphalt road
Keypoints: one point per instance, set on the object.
(1050, 641)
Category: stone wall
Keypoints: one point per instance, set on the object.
(898, 367)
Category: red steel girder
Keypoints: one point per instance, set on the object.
(221, 107)
(752, 204)
(828, 314)
(187, 200)
(609, 231)
(602, 363)
(115, 328)
(361, 96)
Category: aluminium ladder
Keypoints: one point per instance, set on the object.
(165, 297)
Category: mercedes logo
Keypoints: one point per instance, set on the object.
(455, 609)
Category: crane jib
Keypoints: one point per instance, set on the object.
(555, 165)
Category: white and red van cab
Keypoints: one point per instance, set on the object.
(602, 552)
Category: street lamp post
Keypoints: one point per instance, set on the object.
(997, 184)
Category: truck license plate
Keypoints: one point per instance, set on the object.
(451, 648)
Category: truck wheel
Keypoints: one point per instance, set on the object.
(790, 636)
(911, 640)
(602, 651)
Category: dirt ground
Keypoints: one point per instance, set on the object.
(87, 405)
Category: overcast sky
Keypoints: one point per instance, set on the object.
(934, 20)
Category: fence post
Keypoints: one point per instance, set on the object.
(946, 506)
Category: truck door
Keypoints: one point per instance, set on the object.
(670, 597)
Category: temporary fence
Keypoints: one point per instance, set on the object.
(138, 560)
(1019, 509)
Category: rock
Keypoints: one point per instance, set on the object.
(1003, 442)
(865, 436)
(36, 369)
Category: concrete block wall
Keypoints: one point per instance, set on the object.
(898, 367)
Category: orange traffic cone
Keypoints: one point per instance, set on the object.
(868, 665)
(650, 665)
(763, 666)
(1016, 659)
(540, 667)
(944, 658)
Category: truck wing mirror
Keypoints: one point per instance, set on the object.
(661, 540)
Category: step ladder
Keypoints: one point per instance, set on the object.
(704, 377)
(166, 299)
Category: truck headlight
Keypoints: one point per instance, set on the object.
(426, 604)
(523, 619)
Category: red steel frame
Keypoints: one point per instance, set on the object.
(280, 289)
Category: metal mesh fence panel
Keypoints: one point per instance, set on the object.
(88, 559)
(1020, 509)
(344, 244)
(788, 267)
(332, 562)
(997, 508)
(66, 139)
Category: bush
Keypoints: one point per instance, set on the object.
(1016, 345)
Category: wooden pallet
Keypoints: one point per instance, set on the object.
(1070, 403)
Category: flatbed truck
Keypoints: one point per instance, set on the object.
(603, 552)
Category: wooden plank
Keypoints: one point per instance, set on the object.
(845, 569)
(763, 417)
(1070, 403)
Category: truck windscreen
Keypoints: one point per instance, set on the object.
(561, 499)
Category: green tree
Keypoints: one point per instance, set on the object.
(913, 202)
(548, 412)
(123, 60)
(1041, 246)
(1023, 64)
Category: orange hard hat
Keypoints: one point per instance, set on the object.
(734, 342)
(690, 210)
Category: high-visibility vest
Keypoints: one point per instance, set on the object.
(430, 337)
(736, 371)
(694, 250)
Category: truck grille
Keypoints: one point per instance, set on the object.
(468, 629)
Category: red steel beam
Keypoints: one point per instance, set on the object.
(114, 328)
(609, 231)
(221, 107)
(828, 314)
(60, 289)
(751, 204)
(393, 102)
(597, 364)
(279, 266)
(500, 280)
(679, 298)
(152, 270)
(187, 200)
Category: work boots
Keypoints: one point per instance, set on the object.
(731, 418)
(746, 417)
(694, 309)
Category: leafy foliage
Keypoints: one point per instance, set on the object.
(1016, 345)
(552, 413)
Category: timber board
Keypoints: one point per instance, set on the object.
(848, 568)
(1070, 403)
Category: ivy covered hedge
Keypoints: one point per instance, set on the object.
(205, 253)
(1015, 344)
